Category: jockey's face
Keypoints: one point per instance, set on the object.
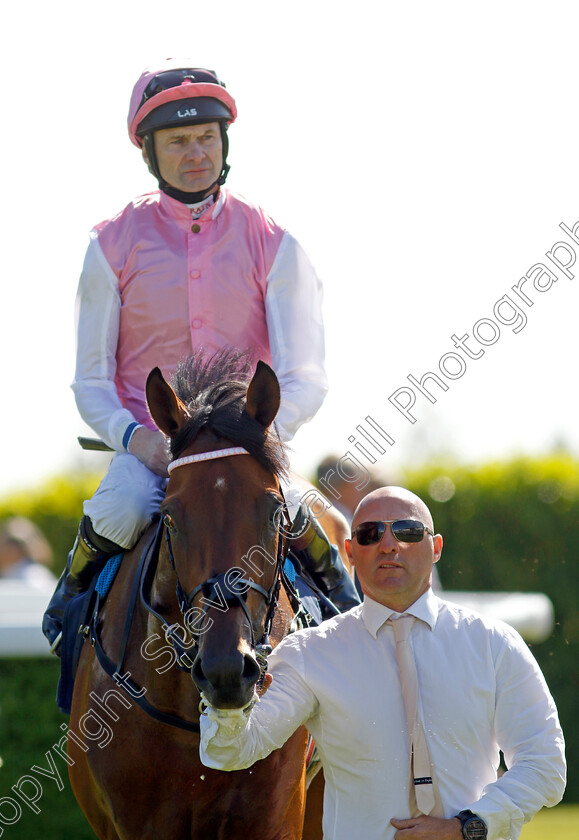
(190, 157)
(394, 573)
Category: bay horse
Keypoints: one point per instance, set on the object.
(209, 569)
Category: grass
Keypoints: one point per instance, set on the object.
(560, 823)
(30, 724)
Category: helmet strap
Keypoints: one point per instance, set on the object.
(180, 195)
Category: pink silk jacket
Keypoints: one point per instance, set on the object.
(158, 283)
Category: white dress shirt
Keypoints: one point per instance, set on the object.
(480, 688)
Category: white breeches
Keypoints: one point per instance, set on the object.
(130, 495)
(126, 500)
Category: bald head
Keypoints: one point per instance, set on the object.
(393, 497)
(392, 572)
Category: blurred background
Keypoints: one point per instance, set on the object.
(425, 155)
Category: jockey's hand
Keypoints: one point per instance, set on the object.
(427, 828)
(150, 447)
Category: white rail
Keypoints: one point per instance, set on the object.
(21, 610)
(22, 607)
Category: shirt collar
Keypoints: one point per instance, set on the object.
(182, 213)
(219, 204)
(201, 206)
(424, 608)
(210, 208)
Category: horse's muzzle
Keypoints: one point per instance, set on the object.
(227, 681)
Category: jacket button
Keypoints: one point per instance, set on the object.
(195, 274)
(197, 323)
(195, 228)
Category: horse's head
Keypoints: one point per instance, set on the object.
(222, 513)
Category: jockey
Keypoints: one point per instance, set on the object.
(190, 265)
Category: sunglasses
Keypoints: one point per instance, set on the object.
(404, 530)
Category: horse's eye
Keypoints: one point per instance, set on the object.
(168, 521)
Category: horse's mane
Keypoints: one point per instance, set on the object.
(213, 388)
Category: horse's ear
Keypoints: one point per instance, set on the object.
(263, 395)
(167, 410)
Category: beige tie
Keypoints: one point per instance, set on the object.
(420, 767)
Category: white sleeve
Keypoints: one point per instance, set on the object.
(293, 309)
(234, 740)
(528, 732)
(98, 305)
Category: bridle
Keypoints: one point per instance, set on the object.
(217, 589)
(142, 588)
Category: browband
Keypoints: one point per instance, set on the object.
(206, 456)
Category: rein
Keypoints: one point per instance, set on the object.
(214, 586)
(115, 672)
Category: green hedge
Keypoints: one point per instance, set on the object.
(29, 726)
(29, 717)
(507, 527)
(56, 507)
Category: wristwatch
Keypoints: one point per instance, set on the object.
(473, 828)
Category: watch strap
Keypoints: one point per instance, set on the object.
(472, 825)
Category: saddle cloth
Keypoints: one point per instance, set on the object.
(77, 614)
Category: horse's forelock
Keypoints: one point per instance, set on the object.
(213, 388)
(204, 370)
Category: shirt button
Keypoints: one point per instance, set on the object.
(195, 228)
(197, 323)
(195, 274)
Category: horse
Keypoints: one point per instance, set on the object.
(206, 576)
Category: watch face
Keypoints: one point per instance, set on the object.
(474, 829)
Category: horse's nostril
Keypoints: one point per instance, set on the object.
(226, 682)
(251, 670)
(197, 674)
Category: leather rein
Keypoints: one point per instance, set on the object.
(215, 587)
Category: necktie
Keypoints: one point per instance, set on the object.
(421, 771)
